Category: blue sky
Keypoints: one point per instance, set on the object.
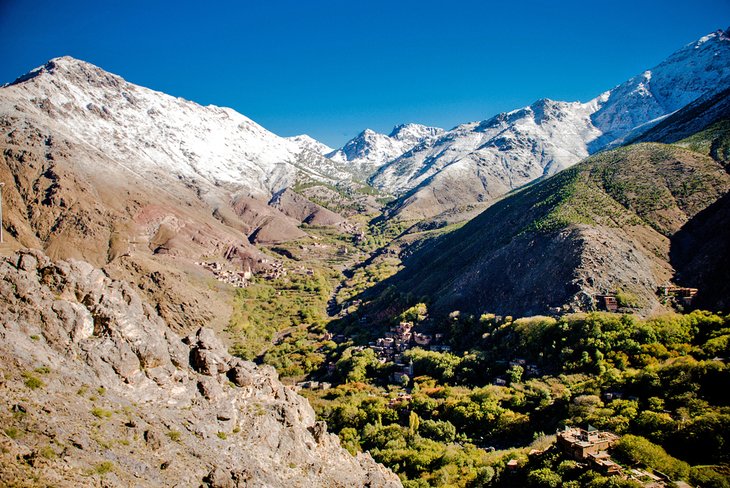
(332, 68)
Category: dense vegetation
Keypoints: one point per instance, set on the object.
(656, 381)
(264, 309)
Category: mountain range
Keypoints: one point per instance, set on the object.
(370, 150)
(481, 161)
(131, 197)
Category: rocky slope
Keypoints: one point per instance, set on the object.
(369, 150)
(603, 226)
(102, 170)
(100, 392)
(483, 160)
(302, 210)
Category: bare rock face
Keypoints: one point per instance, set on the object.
(101, 392)
(298, 207)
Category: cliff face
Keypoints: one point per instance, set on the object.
(100, 391)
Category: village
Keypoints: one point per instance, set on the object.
(591, 447)
(242, 279)
(668, 295)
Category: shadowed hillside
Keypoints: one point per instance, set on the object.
(603, 226)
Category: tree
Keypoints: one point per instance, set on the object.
(416, 313)
(438, 430)
(544, 478)
(413, 423)
(636, 449)
(350, 440)
(514, 373)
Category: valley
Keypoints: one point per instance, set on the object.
(188, 297)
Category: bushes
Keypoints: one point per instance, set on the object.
(263, 309)
(615, 372)
(440, 366)
(32, 381)
(438, 430)
(544, 478)
(638, 450)
(627, 299)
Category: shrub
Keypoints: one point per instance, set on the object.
(100, 413)
(32, 381)
(627, 299)
(12, 432)
(174, 435)
(47, 452)
(638, 450)
(104, 467)
(544, 478)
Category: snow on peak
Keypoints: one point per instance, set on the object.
(718, 34)
(484, 160)
(152, 132)
(696, 69)
(414, 133)
(370, 150)
(311, 144)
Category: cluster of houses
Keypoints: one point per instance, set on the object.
(312, 385)
(678, 294)
(402, 337)
(274, 270)
(398, 340)
(669, 293)
(239, 279)
(591, 446)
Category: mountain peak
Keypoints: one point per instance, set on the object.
(370, 150)
(718, 35)
(150, 131)
(308, 142)
(67, 66)
(413, 132)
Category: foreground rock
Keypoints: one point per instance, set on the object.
(97, 391)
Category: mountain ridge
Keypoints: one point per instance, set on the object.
(601, 227)
(369, 150)
(210, 142)
(484, 160)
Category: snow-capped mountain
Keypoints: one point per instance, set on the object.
(369, 150)
(311, 144)
(93, 163)
(150, 132)
(483, 160)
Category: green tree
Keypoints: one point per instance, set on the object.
(544, 478)
(413, 423)
(638, 450)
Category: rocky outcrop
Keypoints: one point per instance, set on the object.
(101, 392)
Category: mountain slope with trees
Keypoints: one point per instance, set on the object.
(601, 227)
